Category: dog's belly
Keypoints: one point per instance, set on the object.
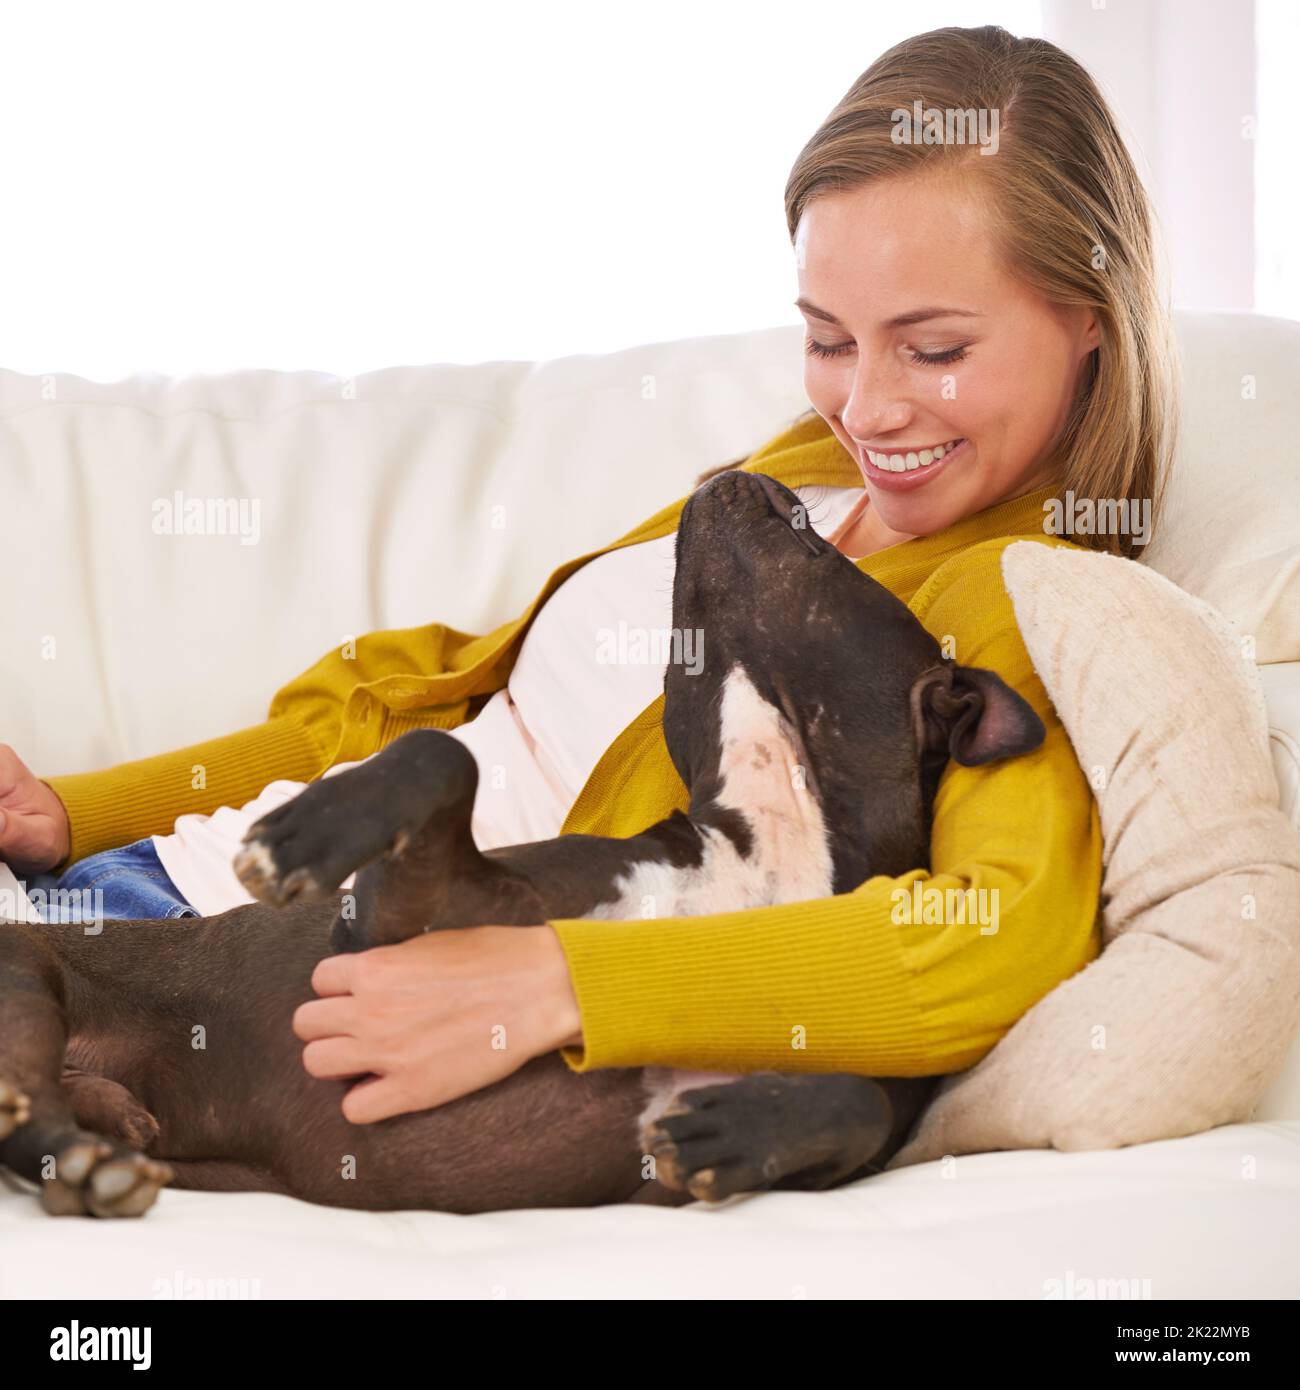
(199, 1031)
(545, 1136)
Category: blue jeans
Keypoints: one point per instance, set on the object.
(125, 884)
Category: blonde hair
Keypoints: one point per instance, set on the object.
(1071, 215)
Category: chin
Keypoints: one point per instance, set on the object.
(916, 515)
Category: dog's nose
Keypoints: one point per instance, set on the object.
(783, 505)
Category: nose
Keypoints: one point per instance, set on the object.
(783, 503)
(877, 404)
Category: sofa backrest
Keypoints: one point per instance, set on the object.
(450, 493)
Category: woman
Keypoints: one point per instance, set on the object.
(984, 333)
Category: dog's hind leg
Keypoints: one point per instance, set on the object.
(108, 1108)
(79, 1172)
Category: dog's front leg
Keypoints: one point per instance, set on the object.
(303, 850)
(402, 822)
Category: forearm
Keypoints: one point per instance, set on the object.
(121, 804)
(836, 984)
(319, 718)
(799, 987)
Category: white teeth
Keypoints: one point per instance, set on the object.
(899, 463)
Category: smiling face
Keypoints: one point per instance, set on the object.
(945, 378)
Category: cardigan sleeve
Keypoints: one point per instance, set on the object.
(299, 740)
(121, 804)
(882, 980)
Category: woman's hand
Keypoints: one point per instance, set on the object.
(436, 1017)
(34, 832)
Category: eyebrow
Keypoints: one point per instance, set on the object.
(898, 321)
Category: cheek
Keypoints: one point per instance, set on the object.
(1039, 382)
(1000, 400)
(1012, 412)
(978, 399)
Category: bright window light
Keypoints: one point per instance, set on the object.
(1277, 201)
(203, 187)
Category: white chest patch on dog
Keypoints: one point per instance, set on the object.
(790, 860)
(761, 778)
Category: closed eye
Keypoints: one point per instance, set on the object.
(939, 359)
(926, 359)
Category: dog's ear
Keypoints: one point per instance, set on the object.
(972, 716)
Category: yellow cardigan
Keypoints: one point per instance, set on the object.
(835, 984)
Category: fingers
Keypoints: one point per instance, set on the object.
(28, 843)
(33, 821)
(377, 1099)
(334, 975)
(325, 1018)
(12, 769)
(333, 1059)
(363, 972)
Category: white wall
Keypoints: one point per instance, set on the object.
(207, 186)
(1277, 167)
(343, 186)
(1181, 77)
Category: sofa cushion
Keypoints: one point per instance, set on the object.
(1230, 532)
(1188, 1012)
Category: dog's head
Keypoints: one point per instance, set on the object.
(807, 675)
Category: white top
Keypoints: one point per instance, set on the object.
(591, 661)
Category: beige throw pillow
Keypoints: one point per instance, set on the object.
(1189, 1010)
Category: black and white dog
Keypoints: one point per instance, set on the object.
(811, 742)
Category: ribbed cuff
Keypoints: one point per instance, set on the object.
(122, 804)
(804, 987)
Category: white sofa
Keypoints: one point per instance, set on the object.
(450, 493)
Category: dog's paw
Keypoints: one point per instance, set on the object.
(93, 1177)
(766, 1130)
(15, 1109)
(265, 867)
(292, 854)
(704, 1143)
(302, 851)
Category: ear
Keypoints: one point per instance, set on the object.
(972, 716)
